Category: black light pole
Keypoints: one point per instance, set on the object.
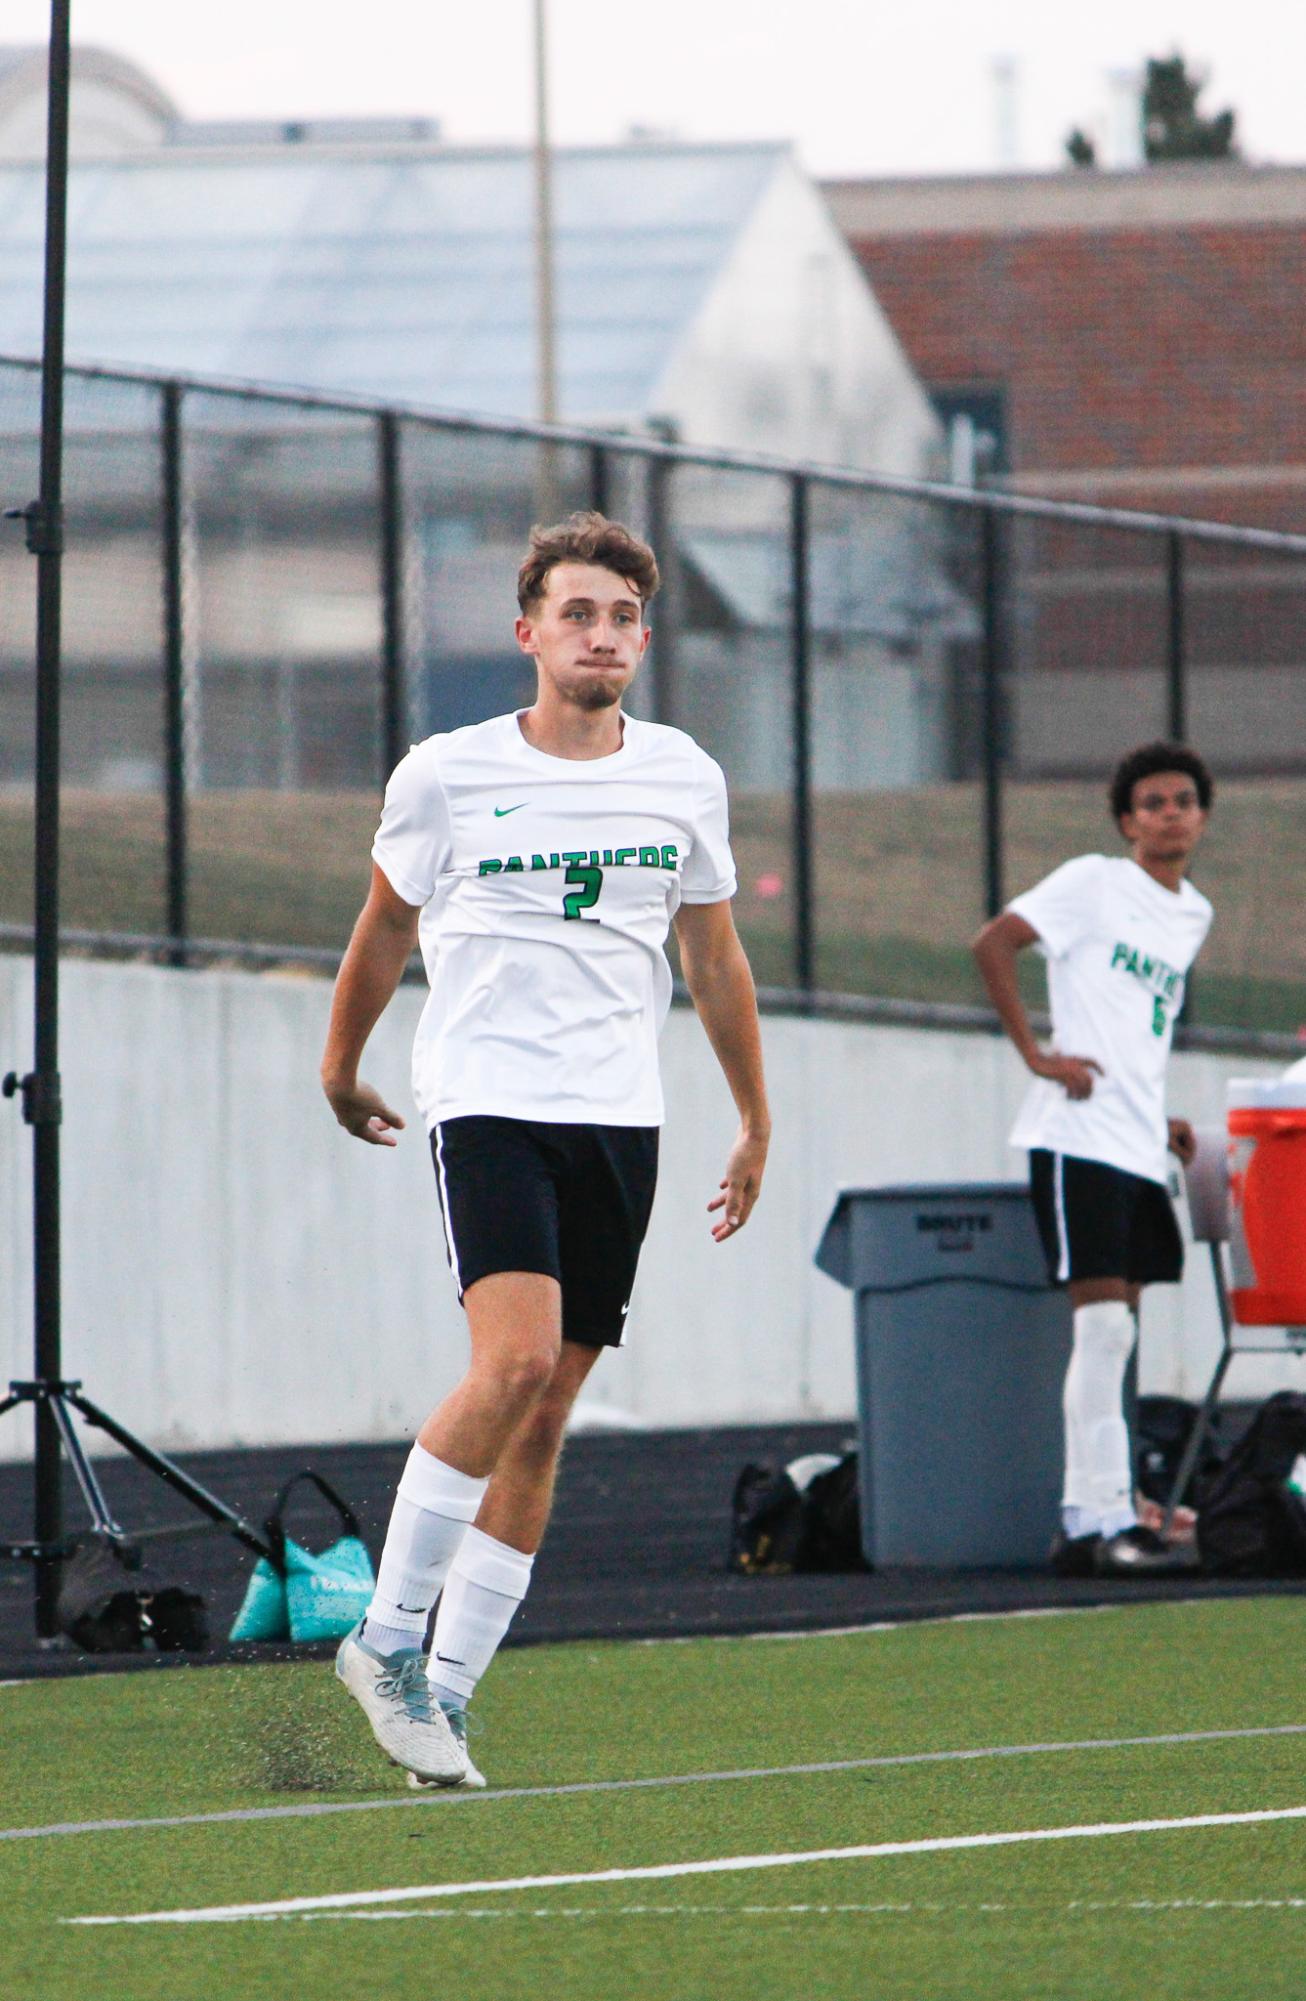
(40, 1090)
(52, 1398)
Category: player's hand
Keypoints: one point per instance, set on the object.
(740, 1187)
(364, 1113)
(1182, 1141)
(1073, 1073)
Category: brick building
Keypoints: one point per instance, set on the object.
(1136, 339)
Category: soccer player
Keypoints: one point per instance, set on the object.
(540, 858)
(1119, 934)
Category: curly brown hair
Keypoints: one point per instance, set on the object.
(586, 537)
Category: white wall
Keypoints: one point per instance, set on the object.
(237, 1271)
(792, 354)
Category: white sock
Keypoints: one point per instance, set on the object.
(433, 1508)
(486, 1583)
(1099, 1489)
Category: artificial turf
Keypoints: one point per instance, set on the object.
(1187, 1913)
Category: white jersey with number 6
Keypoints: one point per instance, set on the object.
(1118, 945)
(547, 886)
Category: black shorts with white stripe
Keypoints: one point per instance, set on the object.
(571, 1201)
(1097, 1221)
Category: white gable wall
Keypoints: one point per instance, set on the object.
(790, 353)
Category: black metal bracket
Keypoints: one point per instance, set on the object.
(42, 1096)
(61, 1396)
(44, 527)
(39, 1552)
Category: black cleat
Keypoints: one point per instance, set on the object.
(1139, 1552)
(1073, 1555)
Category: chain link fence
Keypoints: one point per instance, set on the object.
(917, 693)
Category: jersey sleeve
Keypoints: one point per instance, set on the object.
(413, 844)
(709, 872)
(1062, 908)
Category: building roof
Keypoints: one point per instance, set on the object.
(1184, 196)
(400, 271)
(24, 70)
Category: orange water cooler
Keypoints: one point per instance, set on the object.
(1267, 1191)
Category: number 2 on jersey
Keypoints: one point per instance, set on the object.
(589, 881)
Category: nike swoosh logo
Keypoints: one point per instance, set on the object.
(449, 1660)
(500, 811)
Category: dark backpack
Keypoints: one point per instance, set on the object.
(109, 1605)
(777, 1526)
(1162, 1429)
(1251, 1523)
(834, 1519)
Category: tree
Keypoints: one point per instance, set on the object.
(1080, 149)
(1173, 127)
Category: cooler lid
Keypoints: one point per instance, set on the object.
(1264, 1094)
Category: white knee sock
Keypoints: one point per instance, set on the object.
(433, 1508)
(1099, 1489)
(487, 1582)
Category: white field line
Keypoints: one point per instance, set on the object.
(1148, 1906)
(662, 1871)
(312, 1809)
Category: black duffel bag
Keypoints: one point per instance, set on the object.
(1252, 1518)
(108, 1607)
(1163, 1427)
(803, 1516)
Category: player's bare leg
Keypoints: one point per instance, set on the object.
(514, 1319)
(491, 1572)
(519, 1497)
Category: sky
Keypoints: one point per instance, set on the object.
(859, 86)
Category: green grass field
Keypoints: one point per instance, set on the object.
(666, 1757)
(898, 880)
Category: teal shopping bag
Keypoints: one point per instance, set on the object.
(327, 1594)
(297, 1595)
(263, 1614)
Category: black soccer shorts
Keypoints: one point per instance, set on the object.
(1098, 1221)
(572, 1201)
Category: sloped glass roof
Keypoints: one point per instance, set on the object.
(404, 274)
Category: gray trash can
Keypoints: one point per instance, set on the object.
(962, 1348)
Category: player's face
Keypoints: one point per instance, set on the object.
(1166, 820)
(586, 635)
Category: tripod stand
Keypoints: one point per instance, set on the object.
(54, 1398)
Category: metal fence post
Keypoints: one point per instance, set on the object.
(1176, 697)
(599, 480)
(800, 662)
(1175, 663)
(393, 715)
(174, 675)
(661, 533)
(991, 705)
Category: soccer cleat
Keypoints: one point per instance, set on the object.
(1073, 1555)
(472, 1779)
(407, 1722)
(1139, 1552)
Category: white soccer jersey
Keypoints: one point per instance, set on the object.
(1117, 946)
(547, 886)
